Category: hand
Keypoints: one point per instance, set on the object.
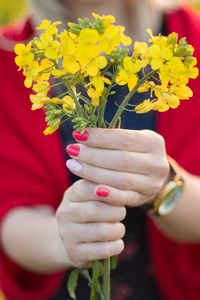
(131, 164)
(89, 228)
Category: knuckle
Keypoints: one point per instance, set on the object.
(103, 233)
(148, 135)
(71, 250)
(124, 160)
(156, 187)
(107, 251)
(61, 215)
(92, 212)
(78, 187)
(164, 168)
(161, 141)
(128, 139)
(126, 182)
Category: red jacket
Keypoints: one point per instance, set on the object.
(32, 171)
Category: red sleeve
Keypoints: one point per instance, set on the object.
(32, 171)
(177, 265)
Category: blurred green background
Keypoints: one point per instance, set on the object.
(11, 10)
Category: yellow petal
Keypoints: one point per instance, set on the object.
(92, 69)
(183, 92)
(132, 82)
(173, 101)
(19, 48)
(98, 83)
(144, 107)
(28, 82)
(143, 88)
(126, 40)
(50, 130)
(51, 53)
(156, 63)
(94, 95)
(89, 35)
(101, 62)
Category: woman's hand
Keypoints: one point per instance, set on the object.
(89, 228)
(130, 164)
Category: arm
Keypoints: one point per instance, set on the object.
(84, 229)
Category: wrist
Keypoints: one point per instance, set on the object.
(60, 259)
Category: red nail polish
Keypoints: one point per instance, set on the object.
(73, 150)
(102, 192)
(77, 135)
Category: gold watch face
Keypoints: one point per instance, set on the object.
(171, 197)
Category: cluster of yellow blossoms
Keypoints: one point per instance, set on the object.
(89, 54)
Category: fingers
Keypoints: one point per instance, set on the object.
(118, 160)
(94, 211)
(118, 139)
(121, 180)
(84, 253)
(97, 232)
(89, 227)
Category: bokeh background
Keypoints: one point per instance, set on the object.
(12, 11)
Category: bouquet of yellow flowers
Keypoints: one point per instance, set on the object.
(88, 54)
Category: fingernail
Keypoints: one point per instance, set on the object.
(102, 192)
(77, 135)
(73, 150)
(74, 165)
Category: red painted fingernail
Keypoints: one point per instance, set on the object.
(77, 135)
(102, 192)
(73, 150)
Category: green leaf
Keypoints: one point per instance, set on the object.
(72, 283)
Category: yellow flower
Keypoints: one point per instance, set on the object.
(50, 130)
(94, 95)
(49, 45)
(107, 20)
(39, 100)
(144, 107)
(48, 27)
(41, 87)
(69, 104)
(127, 75)
(144, 87)
(139, 49)
(160, 105)
(25, 56)
(90, 36)
(182, 92)
(173, 101)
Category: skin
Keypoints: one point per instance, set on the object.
(133, 167)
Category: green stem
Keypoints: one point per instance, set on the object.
(103, 106)
(106, 278)
(95, 281)
(128, 98)
(78, 107)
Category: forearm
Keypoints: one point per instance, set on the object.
(30, 238)
(183, 222)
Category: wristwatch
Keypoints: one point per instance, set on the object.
(169, 195)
